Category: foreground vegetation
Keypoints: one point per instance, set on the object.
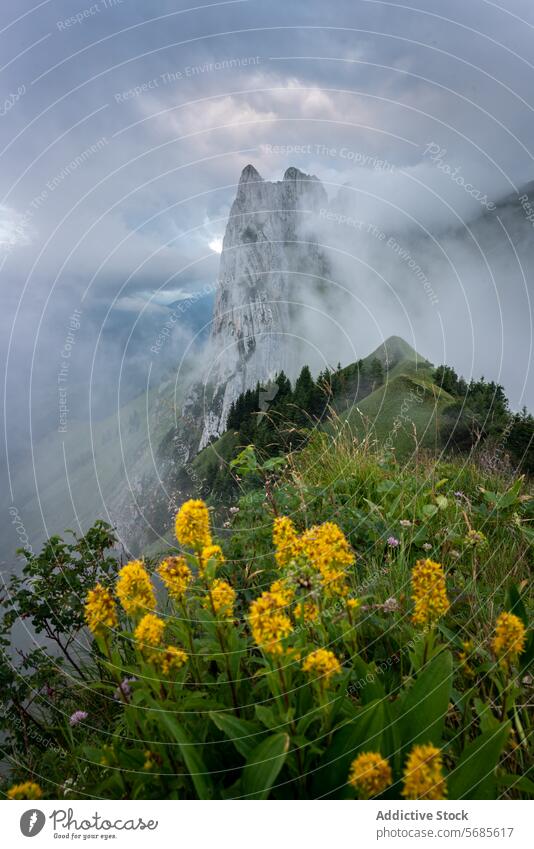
(360, 631)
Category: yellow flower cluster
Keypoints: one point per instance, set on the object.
(100, 611)
(286, 541)
(176, 575)
(370, 774)
(171, 659)
(429, 592)
(284, 594)
(308, 611)
(423, 776)
(268, 622)
(192, 524)
(322, 664)
(134, 589)
(26, 790)
(220, 599)
(324, 546)
(149, 632)
(509, 639)
(210, 552)
(328, 550)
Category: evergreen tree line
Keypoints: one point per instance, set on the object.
(480, 414)
(276, 417)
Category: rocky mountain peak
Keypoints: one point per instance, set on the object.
(268, 249)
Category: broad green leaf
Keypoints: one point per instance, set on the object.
(488, 721)
(423, 708)
(474, 775)
(362, 733)
(510, 496)
(263, 766)
(266, 716)
(365, 683)
(516, 782)
(244, 734)
(191, 756)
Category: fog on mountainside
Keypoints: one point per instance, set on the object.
(309, 273)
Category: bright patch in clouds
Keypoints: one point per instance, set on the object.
(13, 228)
(216, 245)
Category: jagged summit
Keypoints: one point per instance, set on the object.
(250, 174)
(268, 251)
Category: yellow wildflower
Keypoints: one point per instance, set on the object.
(353, 604)
(429, 592)
(134, 588)
(328, 550)
(100, 611)
(149, 632)
(210, 552)
(334, 582)
(26, 790)
(509, 639)
(268, 624)
(322, 664)
(220, 598)
(423, 777)
(370, 774)
(172, 658)
(282, 593)
(326, 545)
(308, 611)
(176, 575)
(192, 524)
(150, 761)
(286, 542)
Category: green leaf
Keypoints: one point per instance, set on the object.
(510, 496)
(367, 685)
(263, 766)
(516, 782)
(266, 716)
(430, 509)
(364, 732)
(243, 733)
(488, 722)
(474, 775)
(191, 756)
(442, 502)
(423, 708)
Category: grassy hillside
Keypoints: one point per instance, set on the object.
(352, 594)
(405, 412)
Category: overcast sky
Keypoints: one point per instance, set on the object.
(124, 127)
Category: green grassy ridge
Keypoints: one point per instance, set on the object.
(411, 402)
(409, 376)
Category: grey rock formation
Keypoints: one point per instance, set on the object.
(269, 253)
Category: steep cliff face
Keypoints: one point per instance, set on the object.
(269, 252)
